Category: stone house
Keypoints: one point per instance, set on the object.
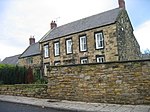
(32, 55)
(104, 37)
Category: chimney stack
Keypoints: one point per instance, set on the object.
(121, 4)
(53, 25)
(31, 40)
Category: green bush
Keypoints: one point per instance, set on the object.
(38, 77)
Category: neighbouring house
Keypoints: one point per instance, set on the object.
(32, 55)
(12, 60)
(103, 37)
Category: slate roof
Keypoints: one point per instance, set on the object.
(32, 50)
(94, 21)
(13, 60)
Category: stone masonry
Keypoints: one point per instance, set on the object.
(27, 90)
(36, 61)
(126, 82)
(128, 47)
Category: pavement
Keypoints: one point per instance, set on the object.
(75, 106)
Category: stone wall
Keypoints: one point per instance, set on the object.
(125, 82)
(128, 47)
(27, 90)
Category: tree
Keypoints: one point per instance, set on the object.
(147, 52)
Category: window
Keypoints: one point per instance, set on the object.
(84, 60)
(69, 46)
(46, 68)
(56, 63)
(99, 40)
(100, 59)
(46, 51)
(83, 43)
(56, 49)
(29, 60)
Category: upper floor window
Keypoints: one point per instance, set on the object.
(69, 46)
(100, 59)
(99, 40)
(56, 49)
(46, 51)
(83, 43)
(84, 60)
(29, 60)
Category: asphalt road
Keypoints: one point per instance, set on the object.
(14, 107)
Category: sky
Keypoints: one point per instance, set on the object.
(19, 19)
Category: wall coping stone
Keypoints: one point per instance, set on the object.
(111, 62)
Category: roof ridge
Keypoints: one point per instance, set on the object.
(13, 55)
(87, 23)
(88, 17)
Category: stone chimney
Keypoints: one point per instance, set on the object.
(31, 40)
(121, 4)
(53, 25)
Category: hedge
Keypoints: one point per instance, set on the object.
(10, 74)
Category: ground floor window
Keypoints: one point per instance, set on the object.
(84, 60)
(56, 63)
(100, 59)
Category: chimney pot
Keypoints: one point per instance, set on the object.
(53, 25)
(121, 3)
(31, 40)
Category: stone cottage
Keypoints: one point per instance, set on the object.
(104, 37)
(32, 55)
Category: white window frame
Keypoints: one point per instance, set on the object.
(46, 51)
(100, 59)
(29, 60)
(56, 49)
(69, 46)
(99, 40)
(83, 43)
(84, 60)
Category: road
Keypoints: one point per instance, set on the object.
(14, 107)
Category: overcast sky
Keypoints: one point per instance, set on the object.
(21, 18)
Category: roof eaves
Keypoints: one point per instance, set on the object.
(30, 55)
(78, 32)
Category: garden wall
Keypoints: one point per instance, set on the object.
(27, 90)
(125, 82)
